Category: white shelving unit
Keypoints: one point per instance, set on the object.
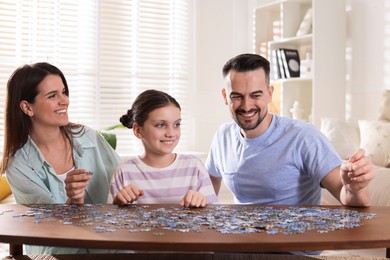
(275, 26)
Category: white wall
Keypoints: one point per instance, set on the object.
(367, 64)
(223, 30)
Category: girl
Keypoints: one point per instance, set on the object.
(159, 175)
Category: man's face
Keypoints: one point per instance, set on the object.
(247, 94)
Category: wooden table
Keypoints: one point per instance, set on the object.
(18, 229)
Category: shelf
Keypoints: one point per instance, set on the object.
(273, 5)
(276, 23)
(291, 80)
(292, 41)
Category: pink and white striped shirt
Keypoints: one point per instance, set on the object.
(164, 185)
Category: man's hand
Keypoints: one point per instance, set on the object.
(355, 175)
(357, 172)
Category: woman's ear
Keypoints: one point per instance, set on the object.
(26, 108)
(137, 130)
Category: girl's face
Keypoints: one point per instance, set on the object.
(50, 107)
(161, 131)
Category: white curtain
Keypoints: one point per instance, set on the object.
(109, 51)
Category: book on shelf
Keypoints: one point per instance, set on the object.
(291, 62)
(275, 65)
(285, 63)
(282, 73)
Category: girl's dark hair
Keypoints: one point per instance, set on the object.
(145, 103)
(23, 85)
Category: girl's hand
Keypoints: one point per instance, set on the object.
(193, 199)
(128, 194)
(75, 183)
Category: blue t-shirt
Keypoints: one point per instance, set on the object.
(283, 166)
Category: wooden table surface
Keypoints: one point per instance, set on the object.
(18, 229)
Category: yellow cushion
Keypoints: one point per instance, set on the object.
(5, 190)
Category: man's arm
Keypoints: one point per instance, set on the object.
(349, 182)
(216, 181)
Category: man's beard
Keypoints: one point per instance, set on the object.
(251, 126)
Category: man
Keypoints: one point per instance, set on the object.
(267, 159)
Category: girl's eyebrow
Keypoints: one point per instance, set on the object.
(164, 121)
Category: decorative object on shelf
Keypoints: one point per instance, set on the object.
(297, 111)
(306, 67)
(291, 62)
(306, 24)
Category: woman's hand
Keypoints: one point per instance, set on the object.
(75, 183)
(193, 199)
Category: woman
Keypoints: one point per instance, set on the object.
(48, 159)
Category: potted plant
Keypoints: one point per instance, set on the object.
(110, 137)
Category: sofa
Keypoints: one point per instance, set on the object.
(371, 135)
(374, 137)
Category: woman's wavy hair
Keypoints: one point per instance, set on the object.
(23, 85)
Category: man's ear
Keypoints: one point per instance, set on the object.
(26, 108)
(137, 131)
(270, 93)
(224, 96)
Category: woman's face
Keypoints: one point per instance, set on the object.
(50, 107)
(161, 131)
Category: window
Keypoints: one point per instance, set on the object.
(109, 51)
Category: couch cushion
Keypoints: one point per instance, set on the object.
(384, 113)
(379, 189)
(5, 190)
(343, 135)
(375, 140)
